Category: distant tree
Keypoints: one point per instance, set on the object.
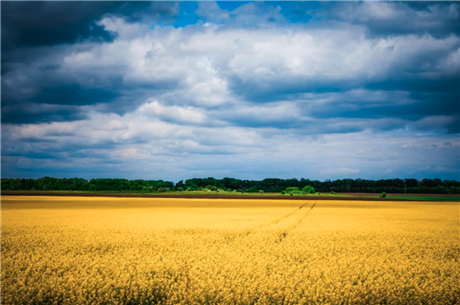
(308, 189)
(180, 184)
(384, 194)
(290, 189)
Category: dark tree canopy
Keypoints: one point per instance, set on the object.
(434, 186)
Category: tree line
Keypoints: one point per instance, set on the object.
(275, 185)
(80, 184)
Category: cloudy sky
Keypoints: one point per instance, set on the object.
(251, 90)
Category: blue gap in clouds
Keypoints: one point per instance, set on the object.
(231, 5)
(187, 14)
(298, 11)
(294, 11)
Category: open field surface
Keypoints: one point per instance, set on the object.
(84, 250)
(426, 197)
(414, 197)
(231, 195)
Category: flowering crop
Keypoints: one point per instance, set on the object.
(64, 250)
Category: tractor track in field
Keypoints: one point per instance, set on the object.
(297, 224)
(285, 216)
(304, 210)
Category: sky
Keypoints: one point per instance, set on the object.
(250, 90)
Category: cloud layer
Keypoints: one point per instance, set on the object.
(249, 90)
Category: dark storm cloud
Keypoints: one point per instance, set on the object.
(35, 34)
(433, 106)
(410, 105)
(438, 19)
(52, 104)
(38, 23)
(413, 84)
(276, 89)
(35, 92)
(28, 24)
(74, 94)
(51, 150)
(431, 96)
(39, 113)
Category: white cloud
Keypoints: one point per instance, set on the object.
(179, 114)
(212, 67)
(139, 143)
(124, 30)
(209, 10)
(236, 99)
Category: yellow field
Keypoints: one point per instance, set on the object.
(64, 250)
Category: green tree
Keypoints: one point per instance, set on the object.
(292, 189)
(211, 188)
(308, 189)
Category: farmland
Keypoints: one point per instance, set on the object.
(86, 250)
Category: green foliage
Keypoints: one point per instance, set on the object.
(432, 186)
(308, 189)
(210, 188)
(292, 189)
(295, 191)
(384, 194)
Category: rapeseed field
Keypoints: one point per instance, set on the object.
(73, 250)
